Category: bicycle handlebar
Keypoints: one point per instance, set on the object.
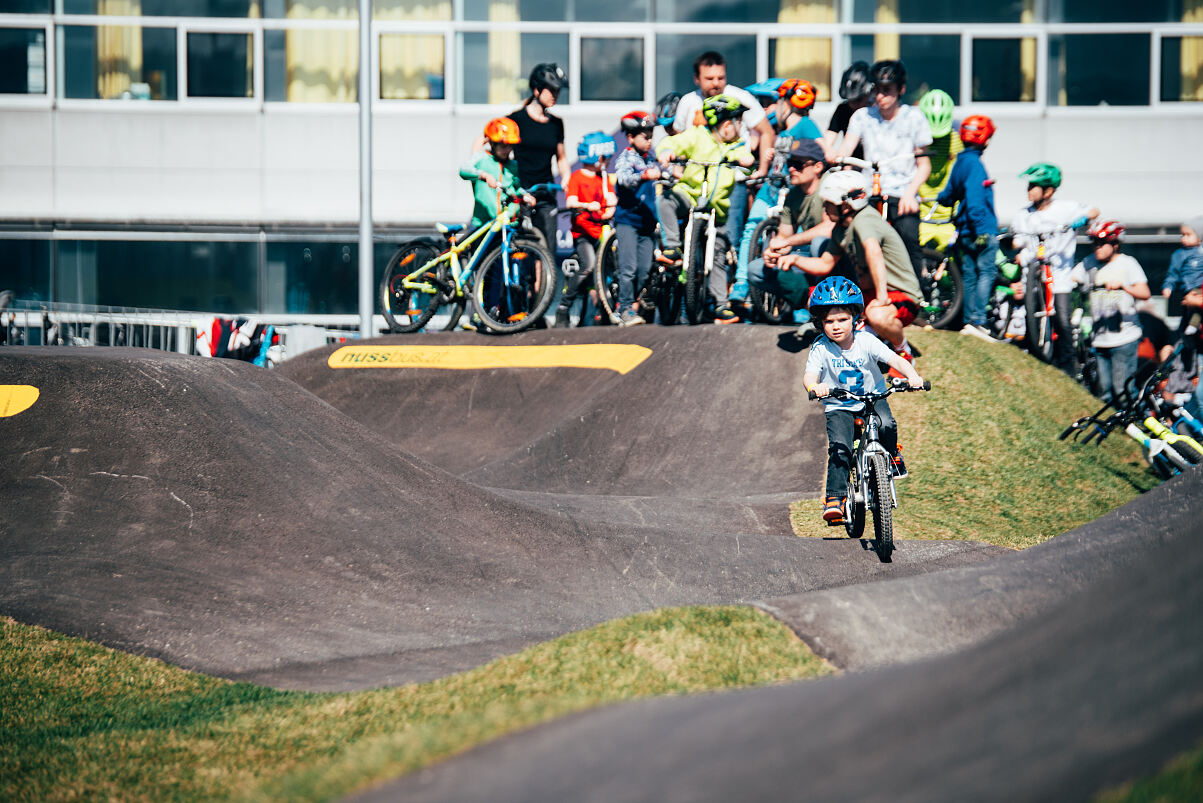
(864, 165)
(895, 386)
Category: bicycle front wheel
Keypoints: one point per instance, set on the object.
(514, 286)
(605, 280)
(854, 505)
(1038, 306)
(943, 290)
(695, 277)
(408, 309)
(883, 506)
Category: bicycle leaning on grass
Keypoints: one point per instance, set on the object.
(871, 477)
(502, 266)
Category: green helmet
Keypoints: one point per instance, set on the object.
(720, 108)
(937, 107)
(1043, 174)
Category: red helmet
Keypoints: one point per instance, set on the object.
(502, 129)
(1106, 231)
(976, 129)
(635, 122)
(799, 92)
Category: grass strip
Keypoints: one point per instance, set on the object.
(80, 721)
(982, 451)
(1180, 781)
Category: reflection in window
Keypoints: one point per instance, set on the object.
(412, 66)
(22, 61)
(1098, 69)
(675, 54)
(1115, 11)
(311, 66)
(1182, 68)
(312, 278)
(1004, 70)
(802, 57)
(497, 65)
(412, 10)
(111, 61)
(890, 11)
(611, 69)
(220, 65)
(25, 268)
(724, 10)
(932, 62)
(26, 6)
(558, 10)
(164, 8)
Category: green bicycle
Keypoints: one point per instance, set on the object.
(509, 275)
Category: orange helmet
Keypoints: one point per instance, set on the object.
(503, 129)
(976, 129)
(799, 92)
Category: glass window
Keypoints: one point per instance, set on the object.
(22, 61)
(1004, 70)
(125, 62)
(932, 62)
(557, 10)
(26, 6)
(413, 10)
(1116, 11)
(202, 276)
(164, 8)
(1182, 68)
(720, 11)
(611, 69)
(220, 65)
(803, 57)
(412, 66)
(497, 65)
(311, 66)
(885, 11)
(1098, 69)
(25, 268)
(312, 278)
(675, 54)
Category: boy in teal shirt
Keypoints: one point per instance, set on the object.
(492, 168)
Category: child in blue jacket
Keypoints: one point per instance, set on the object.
(977, 224)
(1186, 264)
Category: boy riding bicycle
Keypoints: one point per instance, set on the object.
(845, 357)
(718, 141)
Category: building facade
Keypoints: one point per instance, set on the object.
(202, 154)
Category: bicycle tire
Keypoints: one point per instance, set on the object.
(506, 307)
(854, 510)
(695, 278)
(455, 311)
(767, 307)
(408, 310)
(668, 293)
(883, 507)
(1039, 326)
(605, 280)
(943, 298)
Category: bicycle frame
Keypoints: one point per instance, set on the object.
(485, 235)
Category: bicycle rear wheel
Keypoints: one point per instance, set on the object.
(943, 290)
(408, 309)
(1039, 322)
(883, 506)
(767, 307)
(605, 280)
(514, 286)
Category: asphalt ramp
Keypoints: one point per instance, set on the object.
(220, 517)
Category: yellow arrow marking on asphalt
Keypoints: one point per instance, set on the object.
(618, 357)
(17, 399)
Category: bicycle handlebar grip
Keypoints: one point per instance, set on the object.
(927, 384)
(810, 394)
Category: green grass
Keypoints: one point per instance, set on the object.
(82, 721)
(1181, 780)
(982, 450)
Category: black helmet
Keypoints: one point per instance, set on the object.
(856, 82)
(889, 71)
(666, 109)
(547, 76)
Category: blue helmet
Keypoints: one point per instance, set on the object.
(766, 90)
(595, 146)
(836, 291)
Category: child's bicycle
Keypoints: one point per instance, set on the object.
(766, 306)
(509, 274)
(1038, 297)
(871, 479)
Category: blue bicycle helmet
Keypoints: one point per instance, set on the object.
(765, 90)
(837, 291)
(595, 146)
(666, 109)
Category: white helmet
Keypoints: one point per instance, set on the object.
(845, 187)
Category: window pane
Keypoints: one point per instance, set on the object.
(412, 66)
(123, 62)
(414, 10)
(802, 57)
(26, 6)
(311, 66)
(1182, 68)
(733, 10)
(1098, 69)
(22, 61)
(312, 9)
(201, 276)
(888, 11)
(1004, 70)
(25, 268)
(312, 278)
(497, 65)
(1115, 11)
(611, 69)
(932, 62)
(556, 10)
(164, 8)
(675, 54)
(220, 65)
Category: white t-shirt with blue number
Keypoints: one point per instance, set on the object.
(855, 370)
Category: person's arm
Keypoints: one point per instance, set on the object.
(1172, 278)
(810, 381)
(561, 162)
(909, 202)
(1133, 283)
(820, 266)
(906, 368)
(767, 137)
(474, 171)
(954, 190)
